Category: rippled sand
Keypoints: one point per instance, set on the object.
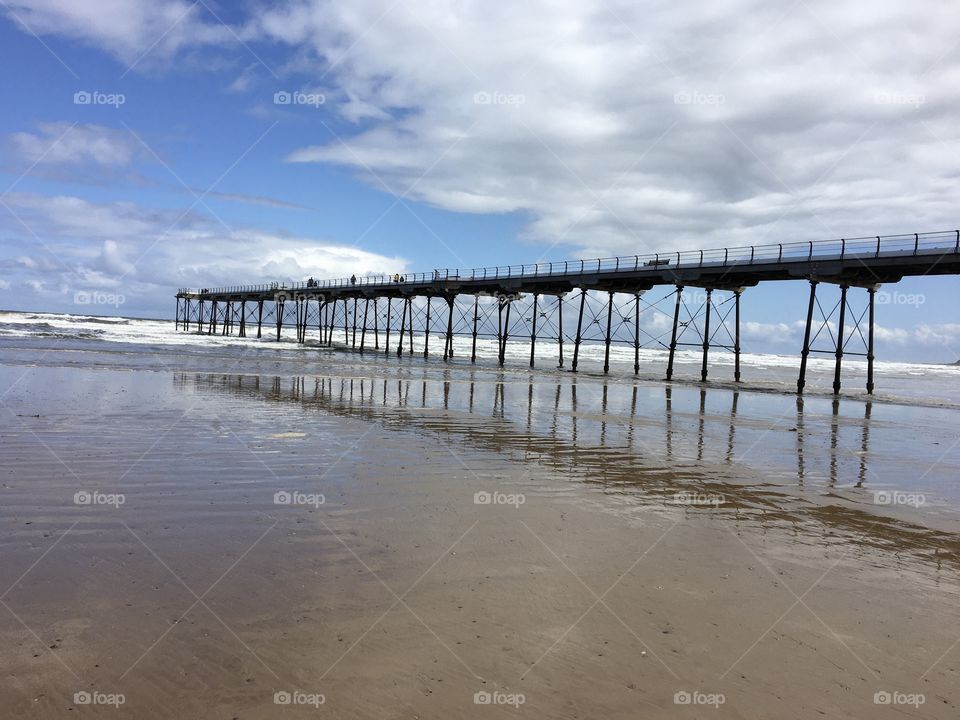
(395, 540)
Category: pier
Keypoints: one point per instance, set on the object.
(667, 301)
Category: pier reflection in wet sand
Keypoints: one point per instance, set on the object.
(653, 445)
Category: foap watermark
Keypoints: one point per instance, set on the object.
(297, 97)
(95, 97)
(95, 697)
(886, 697)
(897, 497)
(899, 298)
(696, 697)
(293, 497)
(499, 98)
(483, 697)
(689, 497)
(899, 98)
(298, 697)
(96, 297)
(499, 498)
(85, 497)
(696, 97)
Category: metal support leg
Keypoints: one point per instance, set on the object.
(386, 348)
(606, 352)
(176, 315)
(476, 317)
(426, 334)
(736, 337)
(673, 335)
(403, 327)
(839, 354)
(706, 336)
(410, 316)
(506, 334)
(279, 309)
(802, 380)
(259, 318)
(363, 332)
(560, 329)
(872, 291)
(187, 324)
(354, 344)
(213, 319)
(533, 330)
(636, 334)
(576, 343)
(448, 348)
(376, 325)
(346, 323)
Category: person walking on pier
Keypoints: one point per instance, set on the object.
(353, 279)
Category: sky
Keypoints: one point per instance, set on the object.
(147, 145)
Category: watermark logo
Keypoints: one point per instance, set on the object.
(899, 98)
(498, 98)
(85, 497)
(695, 697)
(95, 97)
(688, 497)
(85, 697)
(95, 297)
(896, 497)
(295, 498)
(499, 498)
(296, 97)
(885, 697)
(900, 298)
(483, 697)
(298, 697)
(695, 97)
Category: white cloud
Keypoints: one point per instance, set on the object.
(64, 143)
(127, 28)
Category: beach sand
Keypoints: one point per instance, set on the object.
(486, 545)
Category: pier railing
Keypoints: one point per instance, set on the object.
(914, 244)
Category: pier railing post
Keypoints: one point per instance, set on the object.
(706, 336)
(839, 353)
(673, 335)
(805, 352)
(579, 337)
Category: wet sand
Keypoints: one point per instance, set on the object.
(642, 546)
